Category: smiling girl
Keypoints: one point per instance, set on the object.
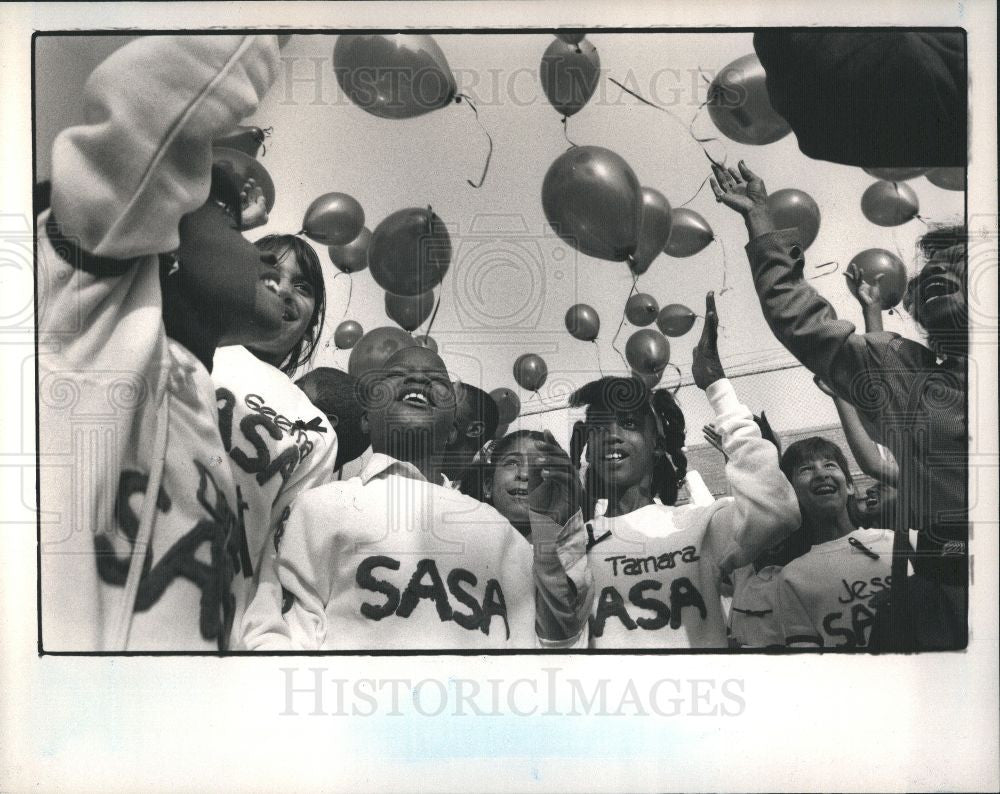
(279, 443)
(658, 568)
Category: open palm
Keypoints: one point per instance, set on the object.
(740, 190)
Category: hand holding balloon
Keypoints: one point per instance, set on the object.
(866, 294)
(706, 366)
(253, 207)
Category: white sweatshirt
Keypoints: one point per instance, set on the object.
(657, 570)
(111, 383)
(825, 596)
(280, 445)
(387, 560)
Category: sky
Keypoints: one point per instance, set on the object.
(511, 279)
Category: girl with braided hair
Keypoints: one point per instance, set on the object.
(657, 567)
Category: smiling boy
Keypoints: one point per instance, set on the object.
(390, 559)
(825, 597)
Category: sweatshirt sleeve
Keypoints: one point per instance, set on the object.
(564, 583)
(764, 509)
(805, 322)
(298, 572)
(122, 181)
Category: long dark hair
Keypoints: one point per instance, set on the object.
(308, 262)
(615, 395)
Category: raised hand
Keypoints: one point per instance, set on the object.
(559, 495)
(713, 437)
(742, 190)
(253, 207)
(865, 293)
(706, 366)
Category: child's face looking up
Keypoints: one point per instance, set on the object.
(299, 301)
(411, 405)
(620, 448)
(515, 475)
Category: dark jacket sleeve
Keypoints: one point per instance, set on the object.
(806, 323)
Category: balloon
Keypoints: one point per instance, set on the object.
(347, 334)
(334, 219)
(593, 201)
(508, 404)
(243, 139)
(374, 349)
(641, 309)
(654, 230)
(873, 262)
(793, 209)
(649, 378)
(352, 257)
(583, 322)
(530, 371)
(427, 341)
(410, 252)
(647, 351)
(393, 76)
(675, 319)
(570, 38)
(569, 75)
(890, 203)
(740, 107)
(947, 178)
(895, 174)
(689, 233)
(409, 311)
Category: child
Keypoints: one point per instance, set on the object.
(825, 597)
(476, 422)
(336, 394)
(279, 444)
(509, 473)
(360, 558)
(658, 568)
(139, 553)
(918, 409)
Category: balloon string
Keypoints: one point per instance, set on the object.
(597, 350)
(833, 268)
(680, 378)
(489, 138)
(267, 132)
(635, 281)
(700, 188)
(350, 293)
(725, 267)
(434, 315)
(565, 123)
(675, 117)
